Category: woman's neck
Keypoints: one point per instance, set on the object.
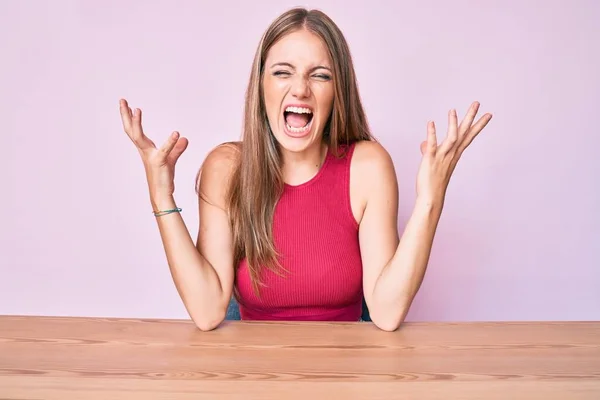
(300, 167)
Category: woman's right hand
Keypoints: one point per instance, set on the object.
(159, 163)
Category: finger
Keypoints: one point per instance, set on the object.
(423, 147)
(431, 138)
(168, 146)
(452, 136)
(178, 149)
(474, 131)
(465, 124)
(139, 138)
(125, 116)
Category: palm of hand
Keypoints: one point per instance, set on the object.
(439, 161)
(159, 163)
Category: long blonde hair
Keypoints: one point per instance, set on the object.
(257, 181)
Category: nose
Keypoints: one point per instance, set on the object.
(300, 88)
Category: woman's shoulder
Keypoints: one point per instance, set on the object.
(225, 151)
(216, 172)
(371, 172)
(369, 156)
(222, 159)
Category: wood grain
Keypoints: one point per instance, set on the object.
(104, 358)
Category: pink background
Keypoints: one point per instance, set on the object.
(520, 234)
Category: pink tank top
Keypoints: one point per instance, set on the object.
(317, 236)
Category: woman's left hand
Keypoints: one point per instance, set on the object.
(438, 162)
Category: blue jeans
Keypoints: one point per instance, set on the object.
(233, 311)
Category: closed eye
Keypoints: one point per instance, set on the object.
(324, 77)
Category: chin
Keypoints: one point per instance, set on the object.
(295, 145)
(295, 142)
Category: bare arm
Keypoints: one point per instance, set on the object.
(375, 177)
(394, 269)
(202, 272)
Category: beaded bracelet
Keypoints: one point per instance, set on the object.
(165, 212)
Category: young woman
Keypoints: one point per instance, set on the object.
(298, 220)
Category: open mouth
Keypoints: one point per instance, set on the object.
(297, 119)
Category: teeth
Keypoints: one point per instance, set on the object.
(299, 110)
(298, 130)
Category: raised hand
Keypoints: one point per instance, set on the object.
(439, 161)
(159, 163)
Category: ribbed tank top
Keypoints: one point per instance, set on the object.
(316, 234)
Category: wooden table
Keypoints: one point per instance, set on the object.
(94, 358)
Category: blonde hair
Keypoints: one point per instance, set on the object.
(257, 182)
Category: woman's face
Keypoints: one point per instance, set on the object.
(298, 89)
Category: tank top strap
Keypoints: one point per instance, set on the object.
(335, 180)
(343, 157)
(338, 165)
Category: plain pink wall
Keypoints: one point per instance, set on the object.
(520, 235)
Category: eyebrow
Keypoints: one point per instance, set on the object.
(286, 64)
